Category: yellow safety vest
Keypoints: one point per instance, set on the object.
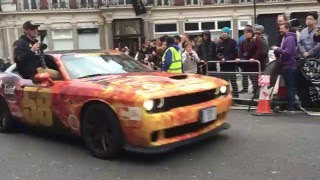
(176, 61)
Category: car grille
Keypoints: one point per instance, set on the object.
(186, 100)
(189, 99)
(184, 129)
(181, 130)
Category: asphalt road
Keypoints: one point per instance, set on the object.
(255, 148)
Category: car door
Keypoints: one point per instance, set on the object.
(36, 103)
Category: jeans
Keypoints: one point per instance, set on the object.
(233, 79)
(290, 78)
(254, 81)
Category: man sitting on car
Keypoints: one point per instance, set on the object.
(25, 54)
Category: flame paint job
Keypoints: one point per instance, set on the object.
(125, 94)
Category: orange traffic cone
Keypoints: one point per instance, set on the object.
(264, 107)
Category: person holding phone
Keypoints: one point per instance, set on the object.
(190, 58)
(26, 53)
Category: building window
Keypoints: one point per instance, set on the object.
(86, 35)
(30, 4)
(208, 25)
(62, 39)
(161, 28)
(57, 4)
(243, 22)
(191, 26)
(222, 24)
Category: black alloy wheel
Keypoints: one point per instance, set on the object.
(6, 120)
(102, 132)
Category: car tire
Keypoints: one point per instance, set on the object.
(101, 131)
(7, 123)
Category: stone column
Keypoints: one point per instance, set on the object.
(235, 30)
(101, 36)
(1, 43)
(151, 29)
(75, 36)
(108, 30)
(180, 25)
(49, 37)
(146, 29)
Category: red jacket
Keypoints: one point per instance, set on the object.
(252, 48)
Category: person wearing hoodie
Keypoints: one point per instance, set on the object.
(287, 54)
(207, 50)
(172, 59)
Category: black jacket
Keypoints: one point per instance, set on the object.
(228, 49)
(26, 60)
(207, 50)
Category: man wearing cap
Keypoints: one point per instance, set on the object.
(227, 51)
(172, 58)
(26, 48)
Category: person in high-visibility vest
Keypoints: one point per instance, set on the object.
(172, 58)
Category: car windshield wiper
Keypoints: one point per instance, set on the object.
(92, 75)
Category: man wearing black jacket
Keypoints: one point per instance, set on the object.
(207, 50)
(26, 50)
(227, 51)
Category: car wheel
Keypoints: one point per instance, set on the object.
(6, 120)
(102, 132)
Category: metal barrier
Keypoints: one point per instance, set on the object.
(237, 73)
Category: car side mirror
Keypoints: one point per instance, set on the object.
(43, 78)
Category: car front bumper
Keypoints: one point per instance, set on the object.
(169, 147)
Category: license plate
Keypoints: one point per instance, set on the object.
(208, 114)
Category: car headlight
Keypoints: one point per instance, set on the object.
(154, 105)
(223, 89)
(148, 105)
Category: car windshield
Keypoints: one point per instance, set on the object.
(87, 65)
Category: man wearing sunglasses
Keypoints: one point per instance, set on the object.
(26, 50)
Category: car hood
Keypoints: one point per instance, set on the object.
(157, 84)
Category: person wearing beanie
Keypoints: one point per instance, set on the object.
(172, 59)
(259, 31)
(306, 45)
(227, 51)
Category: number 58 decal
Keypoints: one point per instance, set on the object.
(36, 106)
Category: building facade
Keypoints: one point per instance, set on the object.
(106, 24)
